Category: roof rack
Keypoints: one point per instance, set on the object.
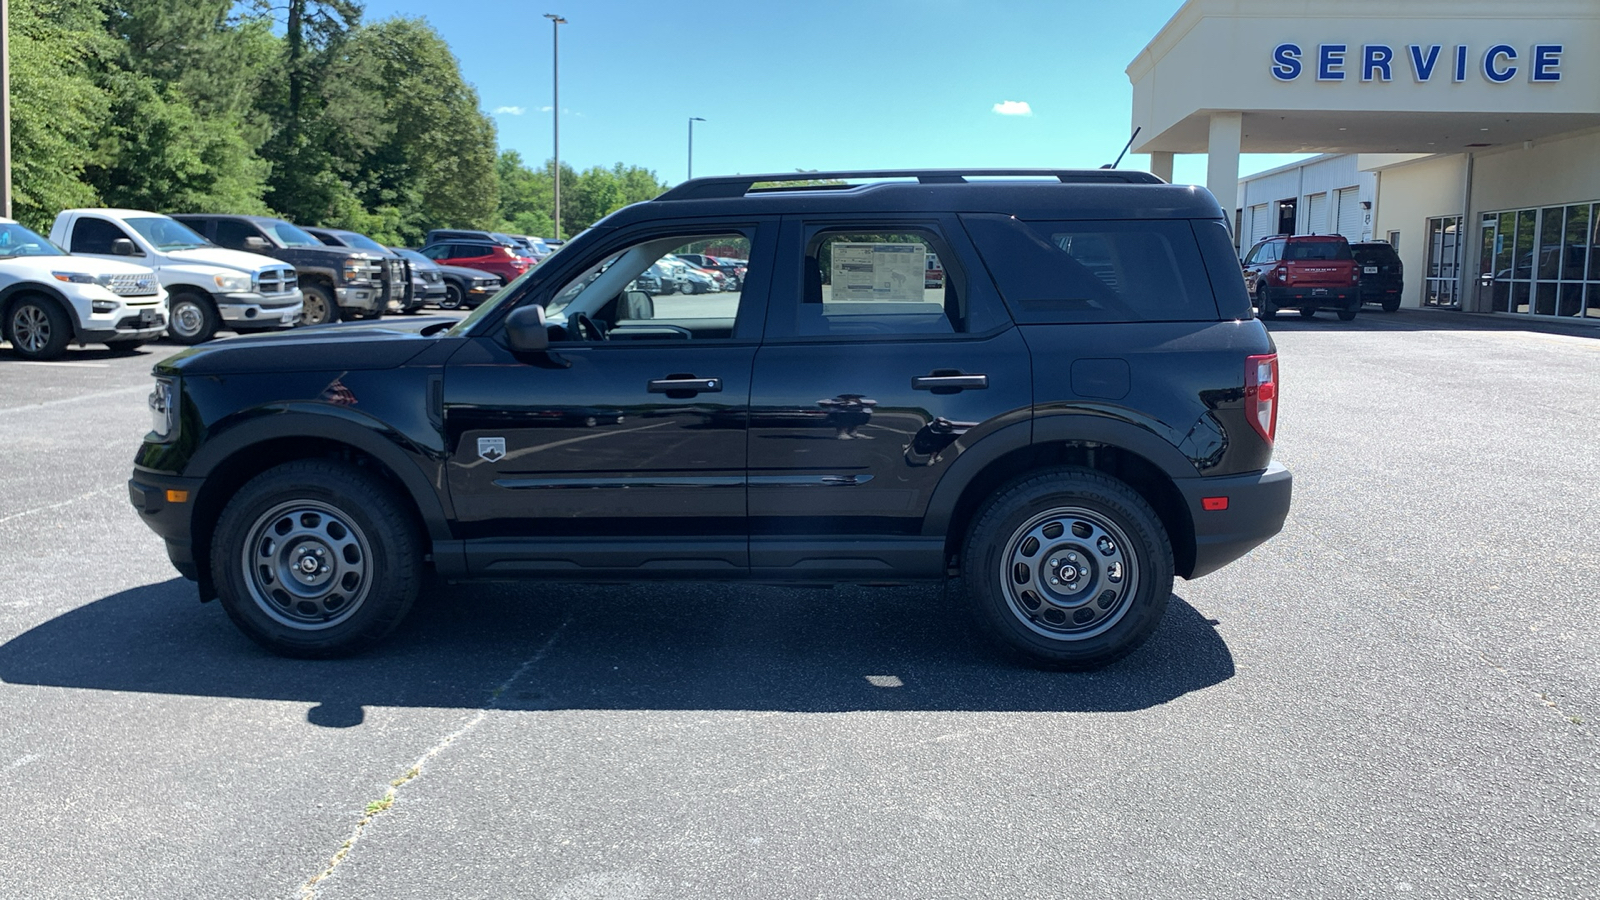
(725, 186)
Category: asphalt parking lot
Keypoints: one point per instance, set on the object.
(1397, 697)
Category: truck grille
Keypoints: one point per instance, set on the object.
(277, 281)
(133, 285)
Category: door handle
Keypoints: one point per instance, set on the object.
(685, 385)
(949, 383)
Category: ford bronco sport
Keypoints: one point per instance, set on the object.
(1082, 409)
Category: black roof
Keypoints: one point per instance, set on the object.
(1048, 193)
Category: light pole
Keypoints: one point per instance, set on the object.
(5, 109)
(555, 109)
(692, 120)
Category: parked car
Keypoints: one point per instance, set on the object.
(336, 282)
(1089, 412)
(1307, 272)
(208, 287)
(1382, 273)
(933, 275)
(408, 301)
(732, 273)
(49, 299)
(440, 235)
(458, 286)
(488, 256)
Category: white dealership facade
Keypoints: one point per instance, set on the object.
(1467, 132)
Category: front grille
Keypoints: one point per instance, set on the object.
(134, 285)
(277, 281)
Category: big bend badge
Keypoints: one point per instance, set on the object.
(492, 449)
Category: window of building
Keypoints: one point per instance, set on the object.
(1544, 261)
(1441, 282)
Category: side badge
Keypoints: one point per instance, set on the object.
(492, 449)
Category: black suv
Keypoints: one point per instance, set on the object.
(1383, 277)
(1082, 409)
(338, 282)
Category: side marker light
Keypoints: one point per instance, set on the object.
(181, 497)
(1213, 504)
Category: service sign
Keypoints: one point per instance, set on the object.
(1419, 63)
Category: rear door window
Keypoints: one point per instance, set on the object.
(1056, 272)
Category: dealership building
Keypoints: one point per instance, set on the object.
(1465, 132)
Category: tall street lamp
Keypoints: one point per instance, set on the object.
(555, 108)
(692, 120)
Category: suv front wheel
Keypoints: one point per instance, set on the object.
(1068, 569)
(315, 559)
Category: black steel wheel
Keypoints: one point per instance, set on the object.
(316, 558)
(1068, 569)
(37, 328)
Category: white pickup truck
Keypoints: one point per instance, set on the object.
(209, 287)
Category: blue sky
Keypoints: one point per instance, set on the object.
(816, 84)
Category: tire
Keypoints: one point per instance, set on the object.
(192, 318)
(1269, 310)
(319, 308)
(1349, 315)
(452, 297)
(37, 328)
(1308, 312)
(1106, 533)
(331, 517)
(1391, 305)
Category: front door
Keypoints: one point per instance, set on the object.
(627, 437)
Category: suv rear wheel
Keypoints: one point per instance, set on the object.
(1068, 569)
(315, 559)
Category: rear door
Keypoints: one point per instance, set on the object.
(867, 386)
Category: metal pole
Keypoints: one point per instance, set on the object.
(5, 108)
(555, 110)
(692, 120)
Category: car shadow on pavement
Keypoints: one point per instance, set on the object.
(661, 646)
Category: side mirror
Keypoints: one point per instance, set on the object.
(256, 245)
(636, 305)
(526, 331)
(123, 247)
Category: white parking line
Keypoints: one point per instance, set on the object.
(69, 365)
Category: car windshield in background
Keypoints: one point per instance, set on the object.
(18, 241)
(1316, 250)
(361, 242)
(290, 236)
(414, 256)
(1380, 253)
(166, 234)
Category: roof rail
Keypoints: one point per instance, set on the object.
(725, 186)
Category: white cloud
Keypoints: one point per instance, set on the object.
(509, 110)
(1013, 108)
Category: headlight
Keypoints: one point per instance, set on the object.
(164, 410)
(104, 306)
(358, 268)
(76, 277)
(233, 282)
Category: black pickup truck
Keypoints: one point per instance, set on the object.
(338, 282)
(1080, 410)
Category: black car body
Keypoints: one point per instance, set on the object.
(1382, 273)
(408, 301)
(337, 282)
(1084, 409)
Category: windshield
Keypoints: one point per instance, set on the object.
(166, 234)
(18, 241)
(414, 256)
(290, 236)
(361, 242)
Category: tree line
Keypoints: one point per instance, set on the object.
(296, 108)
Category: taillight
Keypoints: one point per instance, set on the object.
(1261, 394)
(1281, 273)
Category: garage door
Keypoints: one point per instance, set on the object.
(1349, 214)
(1260, 223)
(1317, 214)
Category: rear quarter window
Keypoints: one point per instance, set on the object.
(1061, 272)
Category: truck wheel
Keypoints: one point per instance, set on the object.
(315, 558)
(1347, 315)
(319, 308)
(1392, 305)
(37, 328)
(1068, 569)
(1269, 310)
(452, 297)
(193, 318)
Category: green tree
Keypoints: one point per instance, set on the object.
(57, 105)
